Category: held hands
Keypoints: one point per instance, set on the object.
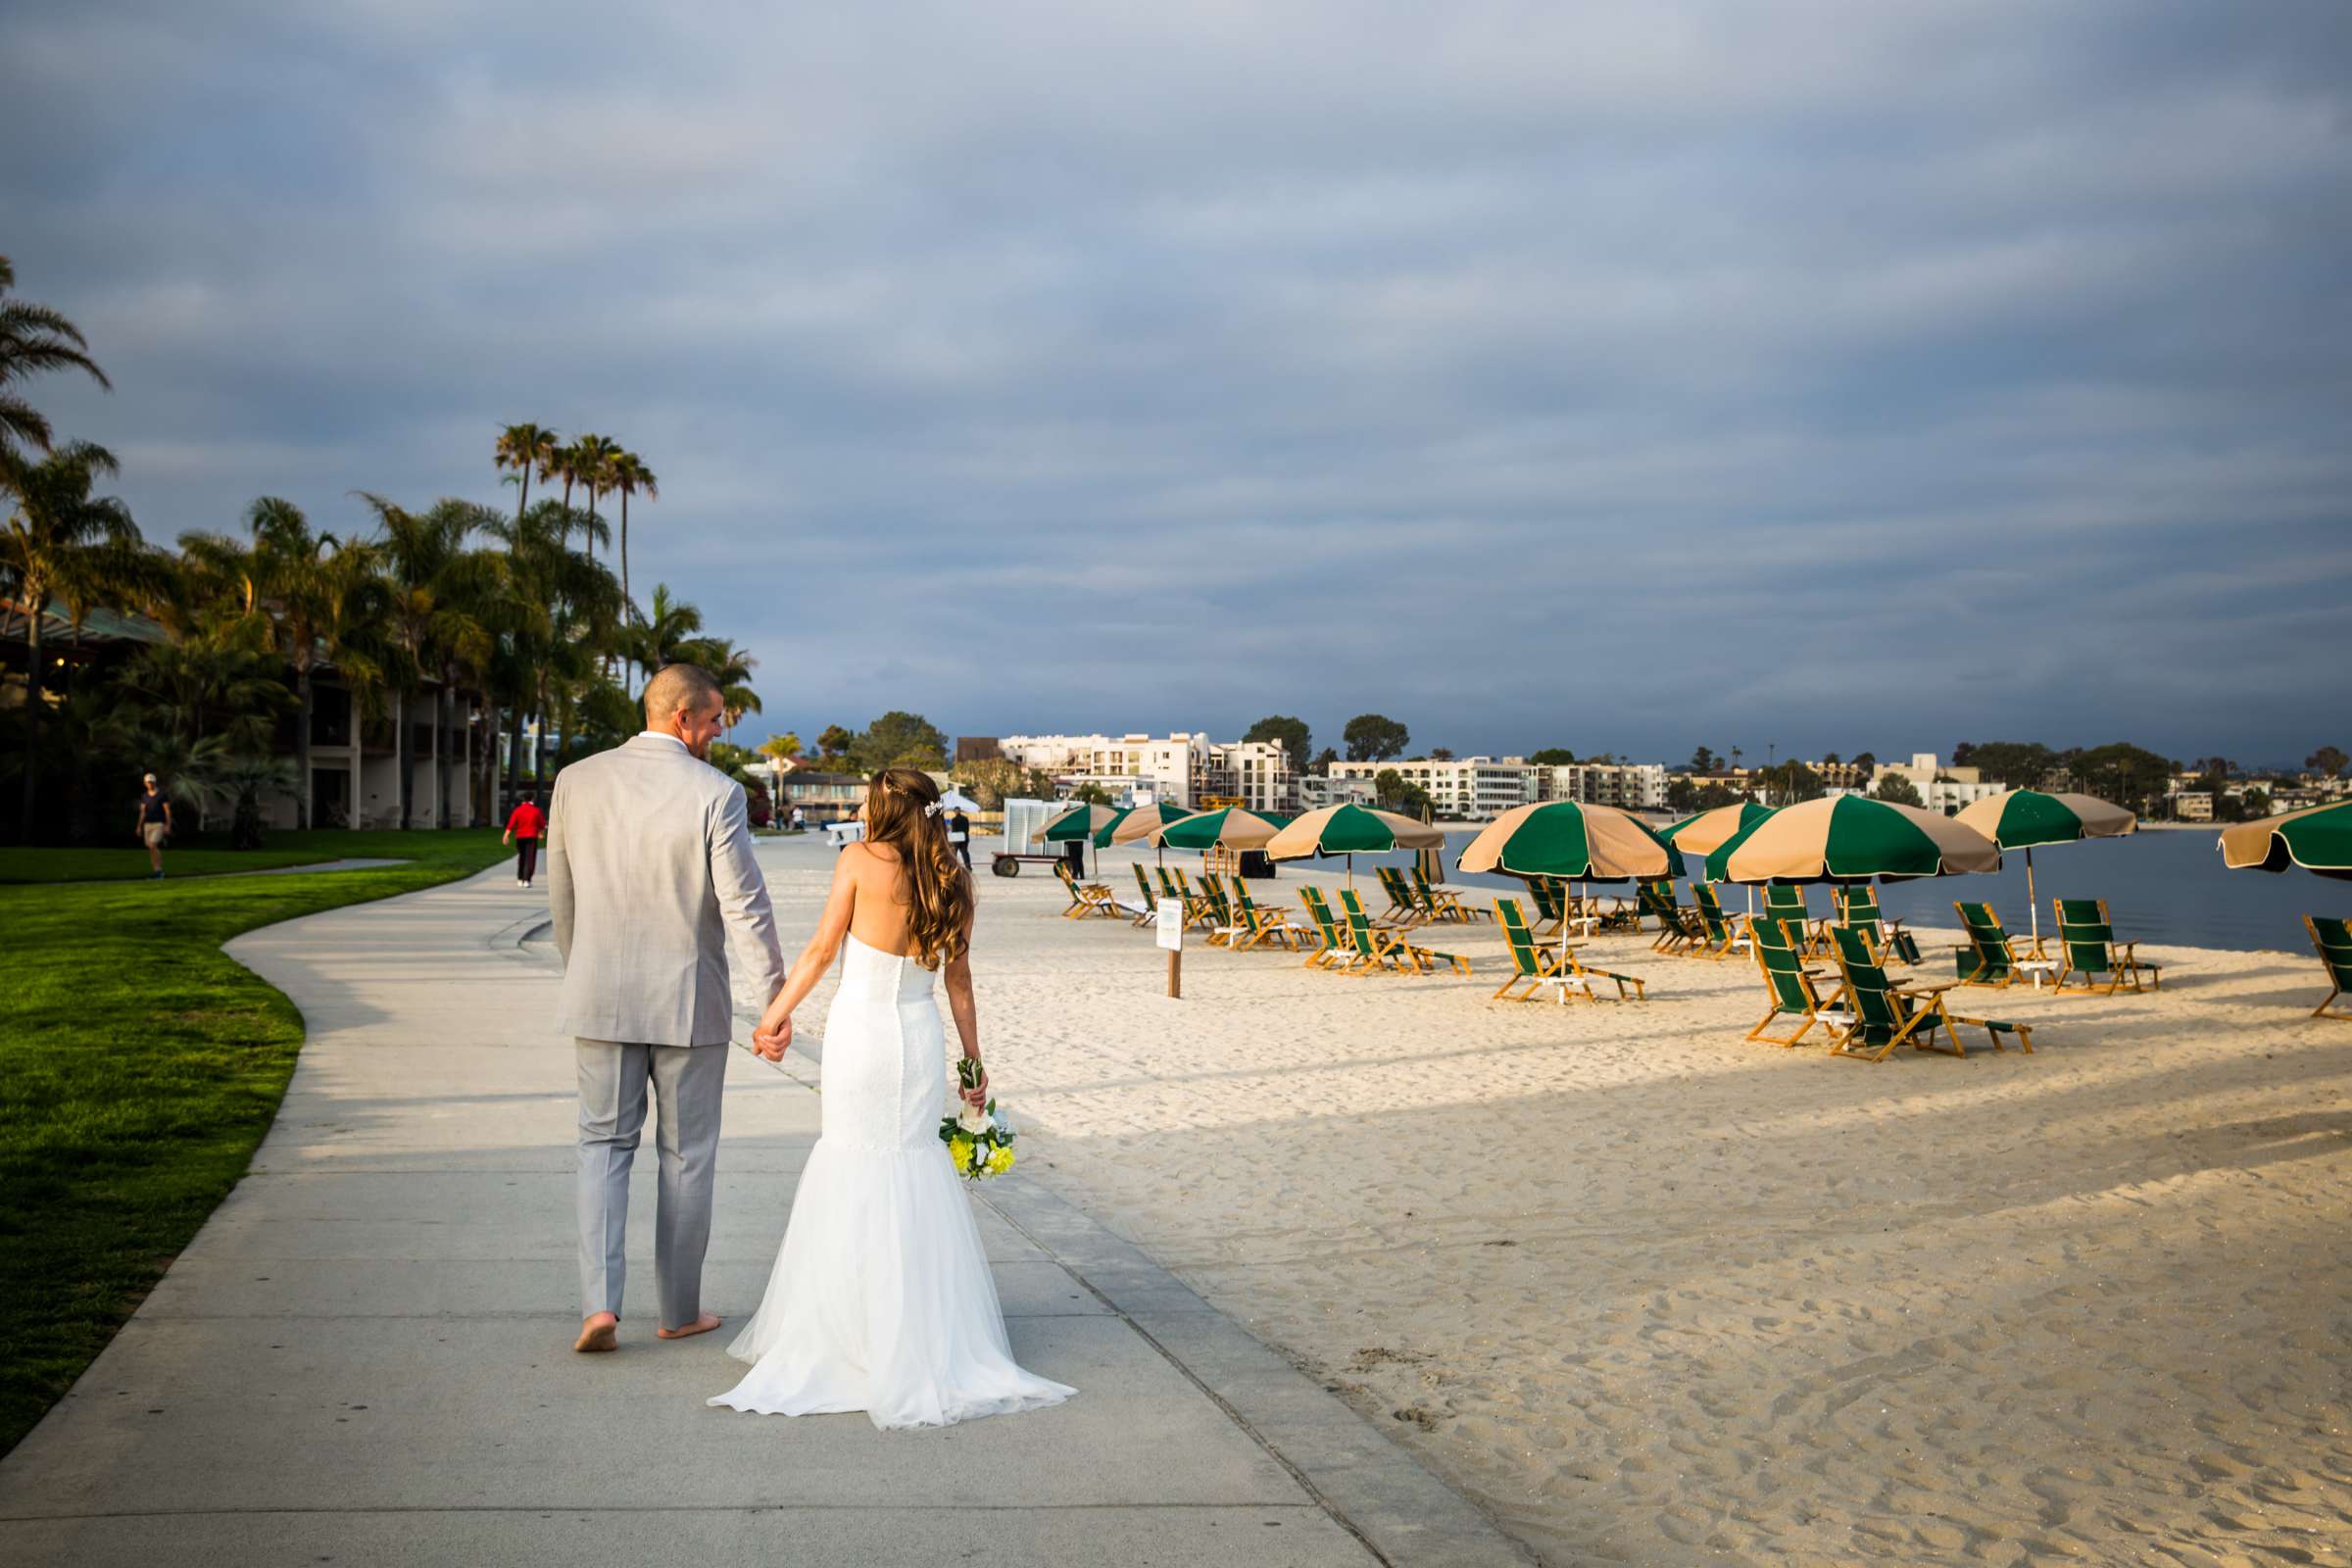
(771, 1038)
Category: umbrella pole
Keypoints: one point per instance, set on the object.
(2032, 905)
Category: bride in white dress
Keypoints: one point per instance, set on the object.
(881, 1299)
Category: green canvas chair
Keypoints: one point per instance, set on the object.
(1384, 949)
(1403, 908)
(1225, 927)
(1336, 951)
(1086, 898)
(1143, 885)
(1537, 966)
(1887, 1014)
(1723, 935)
(1441, 904)
(1551, 905)
(2333, 939)
(2087, 947)
(1678, 927)
(1988, 957)
(1790, 987)
(1198, 909)
(1858, 907)
(1263, 925)
(1784, 902)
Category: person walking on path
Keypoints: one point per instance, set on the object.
(524, 828)
(959, 834)
(651, 880)
(154, 827)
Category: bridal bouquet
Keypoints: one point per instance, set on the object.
(979, 1142)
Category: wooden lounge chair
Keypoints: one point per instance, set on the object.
(1403, 908)
(1265, 925)
(1087, 898)
(1143, 884)
(1785, 901)
(1723, 935)
(1679, 929)
(1988, 957)
(1198, 909)
(1336, 951)
(1442, 903)
(1536, 966)
(2087, 947)
(1551, 905)
(2333, 939)
(1791, 986)
(1858, 907)
(1887, 1014)
(1386, 949)
(1225, 929)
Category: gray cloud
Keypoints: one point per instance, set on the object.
(1818, 375)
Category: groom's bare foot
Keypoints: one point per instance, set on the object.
(599, 1331)
(700, 1325)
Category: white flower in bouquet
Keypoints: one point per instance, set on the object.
(976, 1121)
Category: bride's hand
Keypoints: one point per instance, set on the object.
(976, 1096)
(770, 1043)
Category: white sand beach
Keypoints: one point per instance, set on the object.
(1653, 1293)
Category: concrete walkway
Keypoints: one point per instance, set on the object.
(364, 1357)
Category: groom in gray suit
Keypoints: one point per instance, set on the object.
(650, 870)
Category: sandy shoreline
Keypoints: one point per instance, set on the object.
(1654, 1294)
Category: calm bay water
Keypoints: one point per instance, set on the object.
(2162, 887)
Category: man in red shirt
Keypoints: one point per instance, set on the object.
(525, 827)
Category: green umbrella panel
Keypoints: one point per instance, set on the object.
(1850, 838)
(2025, 819)
(2318, 838)
(1228, 827)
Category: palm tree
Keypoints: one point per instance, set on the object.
(562, 605)
(630, 476)
(731, 666)
(663, 637)
(33, 339)
(57, 534)
(439, 592)
(524, 448)
(592, 457)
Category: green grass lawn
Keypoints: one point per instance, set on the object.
(140, 1067)
(206, 854)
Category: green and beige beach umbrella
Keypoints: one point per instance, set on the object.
(1138, 823)
(1696, 835)
(1351, 830)
(2318, 838)
(2025, 819)
(1078, 824)
(1228, 827)
(1569, 839)
(1851, 838)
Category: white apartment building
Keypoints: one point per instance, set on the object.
(1183, 768)
(1464, 788)
(1630, 786)
(1941, 789)
(1315, 791)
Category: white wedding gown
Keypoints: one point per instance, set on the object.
(881, 1299)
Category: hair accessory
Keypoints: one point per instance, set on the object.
(932, 809)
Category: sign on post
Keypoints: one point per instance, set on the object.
(1171, 937)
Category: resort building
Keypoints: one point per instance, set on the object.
(1630, 786)
(1941, 789)
(354, 778)
(1184, 768)
(822, 797)
(1465, 788)
(1317, 790)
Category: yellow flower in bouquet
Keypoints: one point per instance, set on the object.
(960, 1150)
(999, 1162)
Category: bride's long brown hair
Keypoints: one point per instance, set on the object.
(898, 802)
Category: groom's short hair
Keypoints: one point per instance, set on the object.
(675, 687)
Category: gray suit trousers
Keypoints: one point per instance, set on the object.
(686, 1083)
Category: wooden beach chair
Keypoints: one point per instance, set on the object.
(1198, 910)
(1143, 884)
(1336, 951)
(1858, 907)
(1887, 1014)
(1791, 986)
(1386, 949)
(1722, 935)
(1225, 929)
(1536, 967)
(1677, 928)
(1551, 905)
(2086, 945)
(1785, 901)
(2333, 939)
(1265, 925)
(1442, 903)
(1087, 898)
(1403, 908)
(1988, 957)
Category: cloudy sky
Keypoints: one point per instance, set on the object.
(1820, 377)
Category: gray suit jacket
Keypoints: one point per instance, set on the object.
(650, 875)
